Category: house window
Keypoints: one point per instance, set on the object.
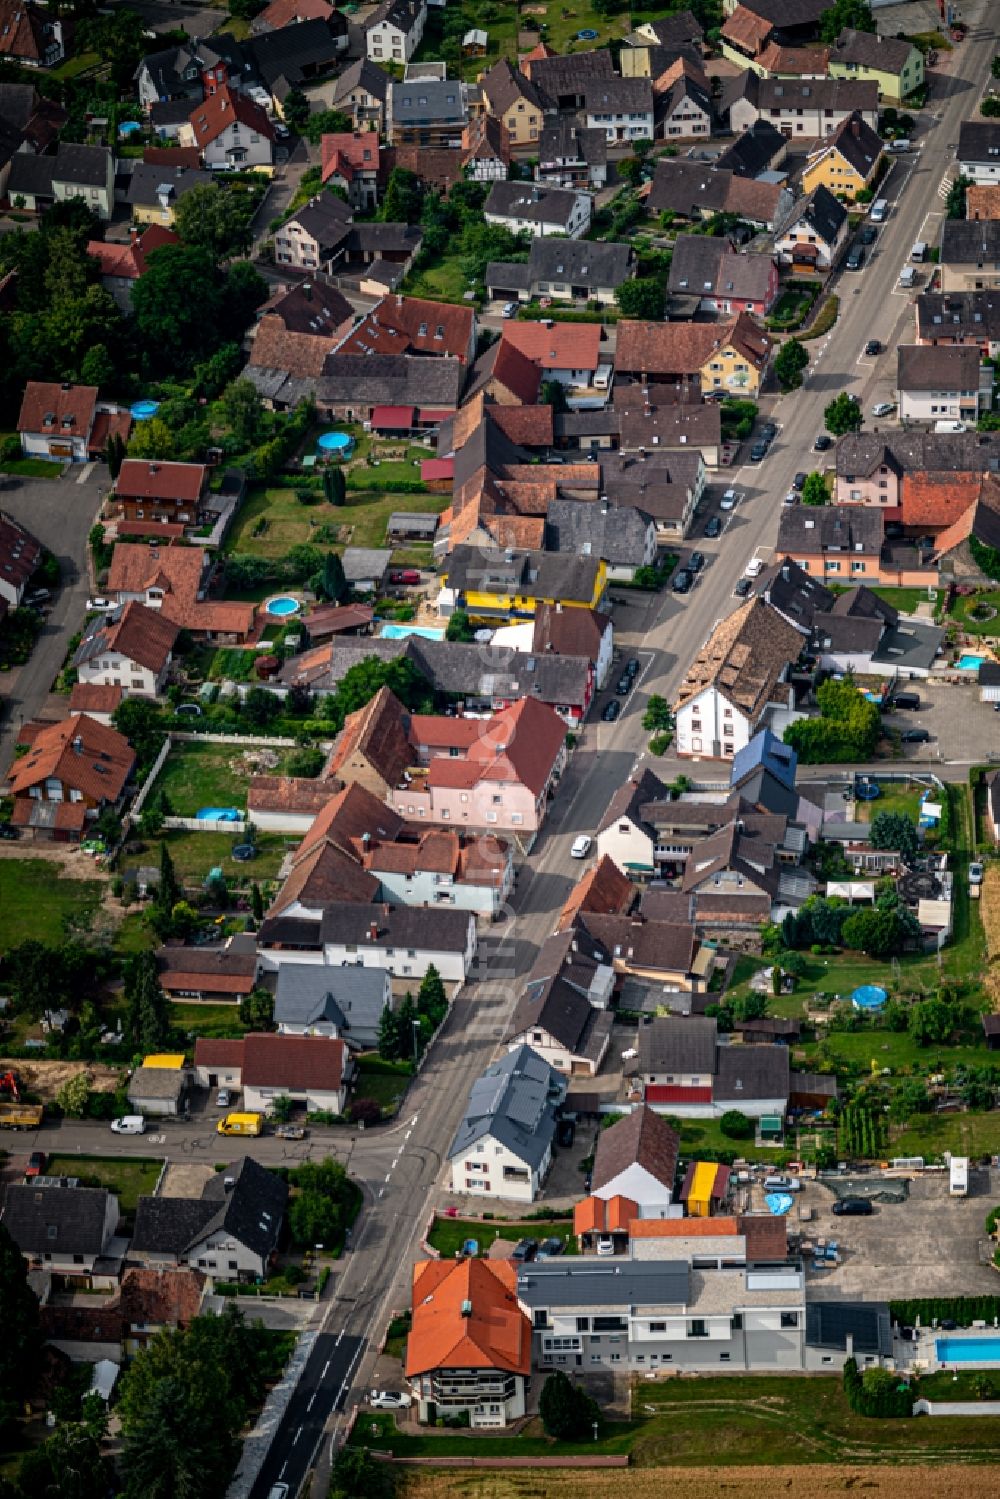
(789, 1319)
(698, 1328)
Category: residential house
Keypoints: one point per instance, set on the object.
(755, 42)
(394, 29)
(296, 55)
(969, 255)
(682, 102)
(636, 1159)
(565, 78)
(685, 1070)
(715, 277)
(509, 585)
(938, 383)
(161, 491)
(978, 152)
(624, 834)
(533, 209)
(230, 1232)
(511, 97)
(350, 161)
(565, 271)
(411, 325)
(313, 238)
(564, 632)
(310, 1070)
(564, 1012)
(85, 172)
(741, 670)
(960, 317)
(361, 92)
(880, 468)
(570, 155)
(154, 191)
(666, 487)
(895, 64)
(982, 201)
(73, 770)
(99, 703)
(603, 891)
(847, 544)
(219, 973)
(621, 107)
(796, 596)
(815, 238)
(172, 579)
(58, 1226)
(313, 999)
(20, 556)
(847, 162)
(623, 537)
(372, 749)
(503, 1145)
(131, 648)
(218, 1063)
(697, 190)
(443, 867)
(403, 393)
(468, 1351)
(510, 380)
(30, 35)
(230, 130)
(643, 422)
(57, 421)
(154, 1299)
(575, 354)
(756, 151)
(406, 940)
(193, 70)
(956, 559)
(694, 358)
(861, 634)
(680, 29)
(498, 776)
(122, 265)
(813, 107)
(427, 113)
(281, 13)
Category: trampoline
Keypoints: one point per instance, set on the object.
(867, 791)
(587, 35)
(869, 997)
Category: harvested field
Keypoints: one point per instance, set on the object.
(826, 1482)
(44, 1079)
(989, 909)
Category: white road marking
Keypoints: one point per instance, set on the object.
(283, 1467)
(296, 1436)
(395, 1163)
(409, 1132)
(312, 1400)
(326, 1369)
(387, 1176)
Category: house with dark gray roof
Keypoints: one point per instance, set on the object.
(687, 1069)
(230, 1232)
(637, 1158)
(316, 999)
(503, 1145)
(970, 254)
(815, 236)
(960, 317)
(939, 382)
(405, 940)
(563, 1013)
(622, 536)
(978, 152)
(58, 1225)
(427, 112)
(761, 148)
(861, 1330)
(86, 172)
(624, 833)
(532, 208)
(621, 107)
(715, 277)
(565, 270)
(569, 155)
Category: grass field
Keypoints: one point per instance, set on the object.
(360, 521)
(34, 900)
(903, 599)
(895, 797)
(386, 1088)
(961, 612)
(194, 854)
(32, 468)
(196, 775)
(206, 1020)
(128, 1179)
(449, 1234)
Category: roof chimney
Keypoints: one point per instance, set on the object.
(373, 931)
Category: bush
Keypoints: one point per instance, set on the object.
(736, 1126)
(568, 1413)
(365, 1111)
(823, 321)
(877, 1393)
(962, 1310)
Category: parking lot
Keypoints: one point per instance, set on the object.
(926, 1245)
(962, 728)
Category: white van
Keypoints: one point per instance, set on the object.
(129, 1124)
(908, 276)
(919, 251)
(879, 211)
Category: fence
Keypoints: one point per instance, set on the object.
(147, 785)
(207, 824)
(956, 1407)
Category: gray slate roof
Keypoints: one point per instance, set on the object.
(848, 528)
(245, 1200)
(704, 266)
(929, 367)
(586, 262)
(824, 215)
(417, 101)
(674, 1044)
(539, 574)
(751, 1072)
(828, 1324)
(978, 140)
(351, 998)
(535, 203)
(55, 1219)
(617, 535)
(426, 930)
(970, 241)
(514, 1102)
(147, 178)
(754, 151)
(600, 1283)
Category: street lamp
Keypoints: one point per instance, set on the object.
(416, 1028)
(595, 1431)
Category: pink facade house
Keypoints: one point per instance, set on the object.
(495, 773)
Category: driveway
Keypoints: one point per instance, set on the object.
(60, 512)
(962, 728)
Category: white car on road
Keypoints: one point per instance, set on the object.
(581, 847)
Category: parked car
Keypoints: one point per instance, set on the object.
(822, 443)
(769, 432)
(224, 1099)
(525, 1249)
(883, 408)
(581, 847)
(869, 234)
(407, 575)
(713, 526)
(612, 711)
(549, 1248)
(856, 258)
(682, 582)
(11, 834)
(624, 686)
(873, 346)
(695, 562)
(754, 567)
(853, 1207)
(915, 736)
(509, 309)
(100, 605)
(742, 588)
(389, 1400)
(975, 873)
(791, 498)
(290, 1132)
(799, 482)
(728, 501)
(758, 452)
(36, 1163)
(565, 1133)
(633, 666)
(605, 1245)
(280, 130)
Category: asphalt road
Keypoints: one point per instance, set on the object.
(321, 1390)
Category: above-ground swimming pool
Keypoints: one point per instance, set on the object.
(869, 997)
(283, 605)
(970, 662)
(219, 814)
(141, 411)
(968, 1350)
(340, 444)
(779, 1203)
(400, 632)
(867, 791)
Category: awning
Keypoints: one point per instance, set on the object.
(395, 418)
(434, 418)
(437, 468)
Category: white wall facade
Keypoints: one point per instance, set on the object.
(490, 1169)
(627, 845)
(653, 1198)
(712, 727)
(117, 670)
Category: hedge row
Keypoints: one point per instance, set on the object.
(962, 1310)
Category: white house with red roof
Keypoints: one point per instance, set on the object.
(230, 130)
(351, 161)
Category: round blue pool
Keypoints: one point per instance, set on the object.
(282, 606)
(339, 444)
(869, 997)
(778, 1203)
(867, 791)
(143, 410)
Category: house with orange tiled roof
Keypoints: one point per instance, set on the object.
(597, 1218)
(372, 749)
(954, 553)
(501, 781)
(469, 1347)
(603, 891)
(174, 579)
(575, 354)
(694, 358)
(122, 265)
(72, 772)
(230, 130)
(131, 648)
(350, 160)
(411, 325)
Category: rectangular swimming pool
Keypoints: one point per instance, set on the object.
(400, 632)
(969, 1350)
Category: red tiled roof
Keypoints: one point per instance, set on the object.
(156, 530)
(376, 732)
(517, 372)
(161, 1297)
(564, 346)
(140, 634)
(177, 570)
(937, 500)
(66, 403)
(445, 1334)
(172, 156)
(401, 325)
(160, 481)
(597, 1215)
(109, 424)
(129, 261)
(88, 697)
(529, 426)
(674, 1093)
(296, 1062)
(282, 13)
(216, 113)
(85, 755)
(356, 149)
(211, 1052)
(70, 816)
(603, 890)
(432, 469)
(683, 1228)
(394, 418)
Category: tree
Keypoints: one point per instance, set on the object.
(814, 490)
(257, 1010)
(152, 439)
(568, 1413)
(843, 415)
(168, 891)
(909, 1098)
(295, 110)
(390, 1040)
(114, 457)
(403, 197)
(955, 200)
(989, 106)
(178, 329)
(68, 1465)
(358, 1475)
(657, 717)
(855, 14)
(261, 707)
(243, 411)
(256, 902)
(326, 122)
(643, 298)
(98, 367)
(214, 219)
(148, 1024)
(334, 486)
(459, 627)
(792, 358)
(332, 582)
(931, 1022)
(845, 732)
(893, 830)
(629, 169)
(553, 393)
(22, 1339)
(880, 932)
(735, 1125)
(74, 1095)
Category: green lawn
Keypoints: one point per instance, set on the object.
(443, 280)
(206, 1020)
(964, 604)
(449, 1234)
(74, 66)
(34, 900)
(198, 775)
(134, 936)
(903, 599)
(360, 522)
(129, 1179)
(386, 1088)
(194, 854)
(974, 1135)
(32, 468)
(378, 1429)
(895, 797)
